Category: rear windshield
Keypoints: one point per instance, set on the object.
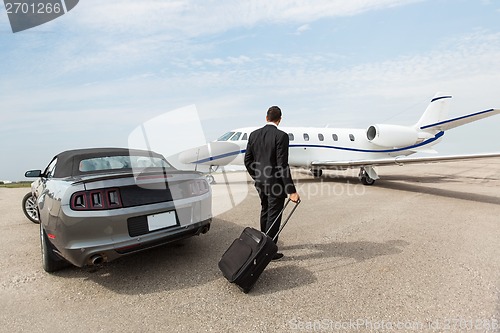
(122, 162)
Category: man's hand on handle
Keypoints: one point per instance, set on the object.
(294, 197)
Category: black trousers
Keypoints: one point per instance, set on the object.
(271, 207)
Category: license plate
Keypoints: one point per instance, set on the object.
(162, 220)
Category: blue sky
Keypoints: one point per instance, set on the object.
(90, 77)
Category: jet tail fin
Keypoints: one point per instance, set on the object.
(436, 111)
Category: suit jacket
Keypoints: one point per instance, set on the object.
(266, 160)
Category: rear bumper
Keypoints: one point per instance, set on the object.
(113, 250)
(191, 230)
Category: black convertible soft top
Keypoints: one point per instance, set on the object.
(68, 162)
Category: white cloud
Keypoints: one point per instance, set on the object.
(191, 18)
(241, 84)
(118, 33)
(227, 61)
(303, 28)
(472, 56)
(456, 65)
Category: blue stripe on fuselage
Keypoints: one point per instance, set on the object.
(423, 143)
(242, 151)
(218, 157)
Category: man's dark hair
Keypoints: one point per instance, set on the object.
(274, 114)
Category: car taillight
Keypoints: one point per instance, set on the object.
(199, 187)
(107, 198)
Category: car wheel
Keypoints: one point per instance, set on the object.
(51, 262)
(29, 208)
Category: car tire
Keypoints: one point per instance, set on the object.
(29, 208)
(51, 262)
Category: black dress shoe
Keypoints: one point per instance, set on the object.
(278, 256)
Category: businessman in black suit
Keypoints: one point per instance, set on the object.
(266, 160)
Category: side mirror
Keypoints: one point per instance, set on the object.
(33, 173)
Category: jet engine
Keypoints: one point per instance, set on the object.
(392, 135)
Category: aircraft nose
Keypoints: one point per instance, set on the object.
(213, 153)
(193, 155)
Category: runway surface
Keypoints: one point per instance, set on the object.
(417, 251)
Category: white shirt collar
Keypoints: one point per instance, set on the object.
(271, 123)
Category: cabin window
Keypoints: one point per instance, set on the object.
(335, 137)
(351, 137)
(226, 136)
(291, 137)
(321, 137)
(306, 137)
(236, 137)
(245, 137)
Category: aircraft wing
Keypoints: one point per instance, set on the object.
(400, 160)
(459, 121)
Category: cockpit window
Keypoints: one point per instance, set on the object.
(226, 136)
(245, 137)
(236, 137)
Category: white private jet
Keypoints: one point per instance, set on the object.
(319, 149)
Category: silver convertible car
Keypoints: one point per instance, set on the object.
(95, 205)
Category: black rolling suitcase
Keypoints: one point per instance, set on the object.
(248, 255)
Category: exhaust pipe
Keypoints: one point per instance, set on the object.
(205, 229)
(97, 260)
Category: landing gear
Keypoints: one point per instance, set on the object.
(367, 175)
(317, 173)
(366, 180)
(210, 179)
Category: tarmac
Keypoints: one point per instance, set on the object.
(416, 252)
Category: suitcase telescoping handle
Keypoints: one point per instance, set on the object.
(286, 220)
